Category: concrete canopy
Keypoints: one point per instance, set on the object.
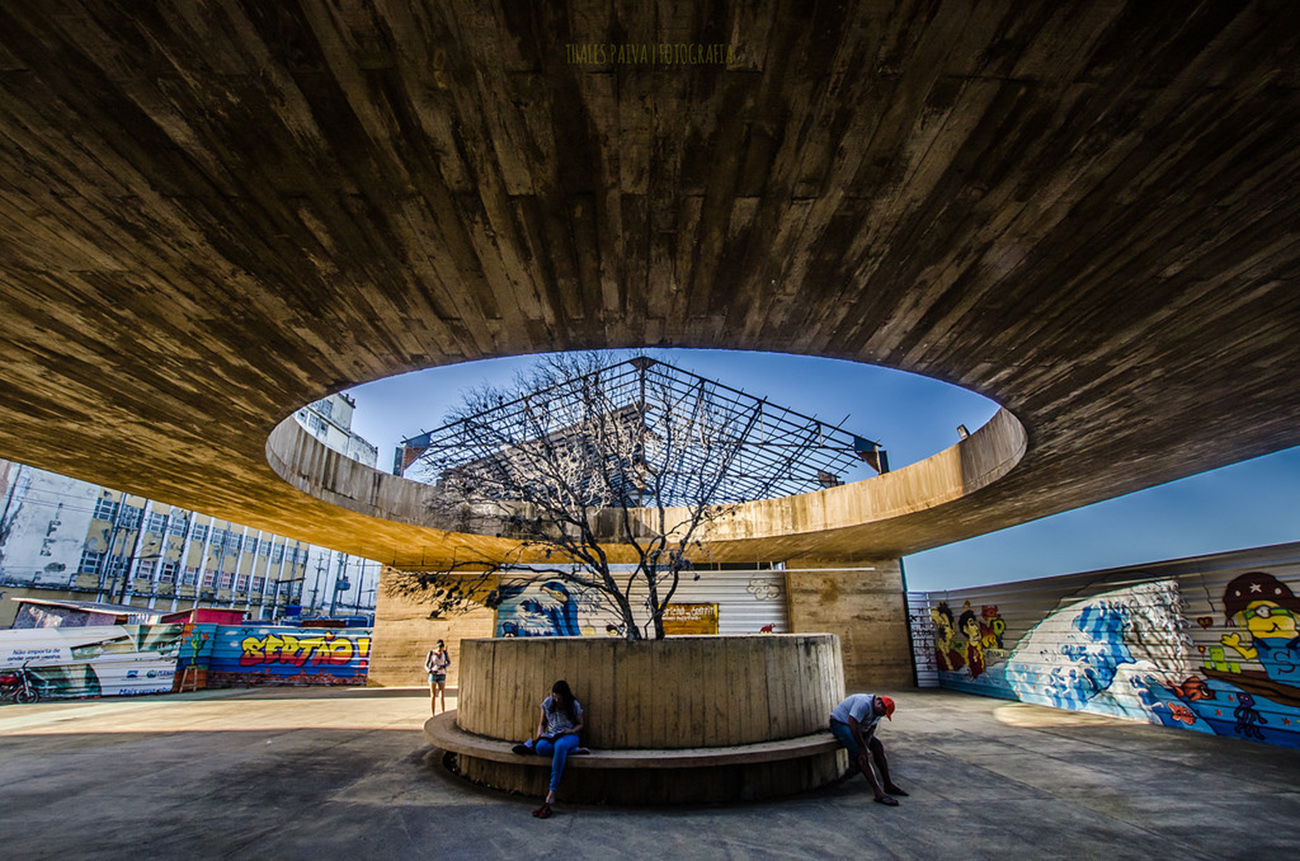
(214, 212)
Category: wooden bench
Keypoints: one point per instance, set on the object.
(442, 732)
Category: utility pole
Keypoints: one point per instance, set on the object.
(341, 582)
(322, 562)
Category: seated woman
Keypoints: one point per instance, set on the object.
(557, 737)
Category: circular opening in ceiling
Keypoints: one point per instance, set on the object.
(803, 405)
(915, 419)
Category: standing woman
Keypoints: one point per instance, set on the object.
(436, 664)
(557, 737)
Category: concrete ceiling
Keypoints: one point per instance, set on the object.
(214, 212)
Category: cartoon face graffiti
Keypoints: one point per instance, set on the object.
(545, 610)
(1268, 620)
(1268, 609)
(1268, 605)
(946, 654)
(970, 626)
(941, 616)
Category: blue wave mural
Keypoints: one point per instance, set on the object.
(1136, 652)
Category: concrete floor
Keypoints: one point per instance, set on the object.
(346, 773)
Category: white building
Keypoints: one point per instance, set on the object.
(63, 537)
(330, 421)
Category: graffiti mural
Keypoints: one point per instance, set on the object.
(742, 602)
(968, 641)
(554, 609)
(1217, 654)
(248, 655)
(104, 660)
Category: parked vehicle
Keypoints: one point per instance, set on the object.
(17, 685)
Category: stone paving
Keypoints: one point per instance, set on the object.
(346, 773)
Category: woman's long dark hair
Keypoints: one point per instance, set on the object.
(562, 697)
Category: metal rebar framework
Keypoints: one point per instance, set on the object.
(671, 424)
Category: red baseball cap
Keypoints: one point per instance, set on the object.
(889, 707)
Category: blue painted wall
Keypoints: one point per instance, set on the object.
(1210, 644)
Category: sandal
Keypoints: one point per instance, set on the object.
(522, 749)
(887, 801)
(543, 812)
(580, 751)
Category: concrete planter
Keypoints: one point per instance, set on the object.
(714, 694)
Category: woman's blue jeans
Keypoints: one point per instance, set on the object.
(558, 751)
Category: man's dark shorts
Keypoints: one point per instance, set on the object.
(845, 735)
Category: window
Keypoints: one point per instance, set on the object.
(242, 584)
(227, 580)
(145, 569)
(265, 547)
(167, 572)
(259, 584)
(116, 566)
(325, 407)
(156, 523)
(130, 516)
(200, 533)
(91, 562)
(176, 526)
(277, 554)
(105, 509)
(209, 577)
(191, 576)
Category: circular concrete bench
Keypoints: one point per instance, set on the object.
(687, 719)
(442, 732)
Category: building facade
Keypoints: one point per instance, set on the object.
(63, 537)
(330, 421)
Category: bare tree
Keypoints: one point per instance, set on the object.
(609, 474)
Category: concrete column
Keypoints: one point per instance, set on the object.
(864, 603)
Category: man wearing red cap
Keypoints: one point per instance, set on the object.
(854, 722)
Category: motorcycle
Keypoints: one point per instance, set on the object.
(17, 685)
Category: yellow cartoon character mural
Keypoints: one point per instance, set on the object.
(1267, 609)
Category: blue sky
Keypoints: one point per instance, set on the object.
(1245, 505)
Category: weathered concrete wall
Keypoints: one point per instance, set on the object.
(867, 609)
(404, 633)
(878, 513)
(153, 347)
